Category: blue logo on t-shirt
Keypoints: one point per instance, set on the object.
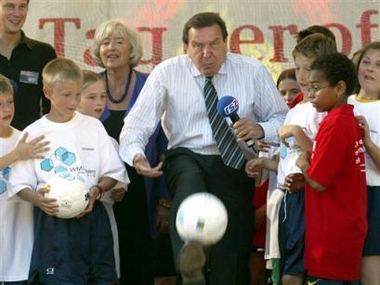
(3, 182)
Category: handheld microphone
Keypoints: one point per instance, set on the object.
(228, 107)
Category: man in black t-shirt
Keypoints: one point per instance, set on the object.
(22, 60)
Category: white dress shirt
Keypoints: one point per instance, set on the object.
(173, 93)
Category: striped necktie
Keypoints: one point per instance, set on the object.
(229, 148)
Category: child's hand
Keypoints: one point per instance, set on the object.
(294, 182)
(94, 193)
(287, 131)
(48, 205)
(363, 124)
(254, 166)
(32, 149)
(262, 146)
(117, 194)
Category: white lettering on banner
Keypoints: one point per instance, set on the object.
(263, 29)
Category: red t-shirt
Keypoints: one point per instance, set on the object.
(336, 222)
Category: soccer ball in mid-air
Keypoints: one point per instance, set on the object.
(71, 193)
(202, 217)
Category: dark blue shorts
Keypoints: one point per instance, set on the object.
(372, 241)
(321, 281)
(291, 234)
(73, 251)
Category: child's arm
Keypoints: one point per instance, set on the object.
(38, 199)
(372, 149)
(97, 191)
(255, 165)
(303, 164)
(286, 131)
(118, 193)
(25, 150)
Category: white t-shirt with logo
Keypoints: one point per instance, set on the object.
(16, 224)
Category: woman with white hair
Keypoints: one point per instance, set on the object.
(143, 213)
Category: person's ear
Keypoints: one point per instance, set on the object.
(341, 88)
(47, 92)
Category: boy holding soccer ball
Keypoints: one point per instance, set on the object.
(78, 250)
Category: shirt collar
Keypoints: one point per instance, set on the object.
(24, 40)
(195, 72)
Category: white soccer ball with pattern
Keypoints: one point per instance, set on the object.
(72, 194)
(202, 217)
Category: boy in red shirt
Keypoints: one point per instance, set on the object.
(335, 197)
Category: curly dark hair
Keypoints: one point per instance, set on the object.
(337, 67)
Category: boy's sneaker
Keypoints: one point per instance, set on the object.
(191, 262)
